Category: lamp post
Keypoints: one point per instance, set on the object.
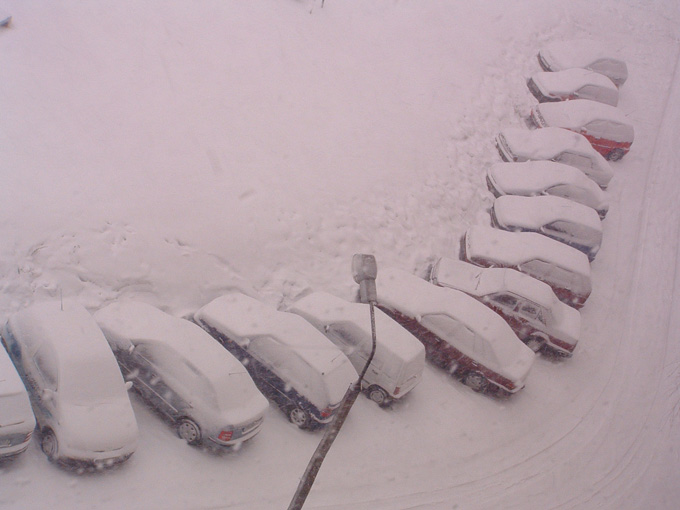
(364, 271)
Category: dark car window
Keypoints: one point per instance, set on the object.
(505, 300)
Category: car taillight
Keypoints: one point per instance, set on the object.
(225, 435)
(325, 413)
(397, 390)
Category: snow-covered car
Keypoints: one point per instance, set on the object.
(575, 83)
(460, 334)
(399, 359)
(529, 306)
(574, 224)
(291, 362)
(585, 54)
(554, 144)
(16, 417)
(605, 127)
(79, 397)
(184, 374)
(564, 268)
(533, 178)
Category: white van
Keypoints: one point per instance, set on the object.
(16, 417)
(290, 361)
(78, 394)
(399, 359)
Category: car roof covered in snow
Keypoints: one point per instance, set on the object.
(581, 53)
(534, 212)
(246, 317)
(550, 142)
(515, 248)
(570, 80)
(483, 281)
(322, 309)
(126, 322)
(530, 177)
(417, 298)
(580, 112)
(66, 326)
(545, 143)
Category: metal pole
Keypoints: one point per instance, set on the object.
(331, 432)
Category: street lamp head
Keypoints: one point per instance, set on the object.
(365, 271)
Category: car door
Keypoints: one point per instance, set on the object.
(151, 383)
(43, 377)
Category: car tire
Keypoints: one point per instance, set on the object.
(298, 417)
(188, 430)
(378, 395)
(535, 342)
(476, 381)
(615, 155)
(50, 445)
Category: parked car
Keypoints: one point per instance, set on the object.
(570, 223)
(554, 144)
(606, 127)
(184, 374)
(79, 398)
(291, 362)
(575, 83)
(16, 417)
(529, 306)
(564, 268)
(586, 54)
(532, 178)
(399, 359)
(460, 334)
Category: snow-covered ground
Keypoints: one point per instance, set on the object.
(169, 151)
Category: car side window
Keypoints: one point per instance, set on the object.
(573, 159)
(568, 191)
(448, 328)
(560, 227)
(532, 310)
(47, 368)
(504, 300)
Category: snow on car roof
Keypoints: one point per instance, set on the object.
(535, 176)
(569, 80)
(415, 297)
(515, 248)
(246, 317)
(534, 212)
(140, 322)
(480, 281)
(61, 324)
(545, 143)
(579, 112)
(322, 308)
(578, 53)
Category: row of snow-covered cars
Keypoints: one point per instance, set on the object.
(468, 319)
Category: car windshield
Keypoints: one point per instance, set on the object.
(90, 381)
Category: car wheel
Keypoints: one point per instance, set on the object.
(298, 417)
(615, 155)
(535, 343)
(189, 431)
(50, 445)
(476, 381)
(377, 395)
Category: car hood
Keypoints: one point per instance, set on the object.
(99, 427)
(567, 323)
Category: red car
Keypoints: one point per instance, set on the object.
(606, 127)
